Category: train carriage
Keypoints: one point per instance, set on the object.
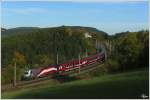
(68, 66)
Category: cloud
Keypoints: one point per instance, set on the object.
(26, 11)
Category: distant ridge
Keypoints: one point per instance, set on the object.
(24, 30)
(17, 30)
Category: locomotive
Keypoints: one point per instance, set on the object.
(65, 67)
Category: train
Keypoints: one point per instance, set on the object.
(62, 68)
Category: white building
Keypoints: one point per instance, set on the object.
(87, 35)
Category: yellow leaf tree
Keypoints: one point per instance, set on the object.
(19, 59)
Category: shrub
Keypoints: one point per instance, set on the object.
(112, 65)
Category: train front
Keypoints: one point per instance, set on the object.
(39, 72)
(48, 71)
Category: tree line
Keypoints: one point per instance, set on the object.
(130, 51)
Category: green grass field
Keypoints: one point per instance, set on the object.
(123, 85)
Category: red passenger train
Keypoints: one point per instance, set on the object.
(67, 66)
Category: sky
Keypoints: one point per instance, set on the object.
(111, 17)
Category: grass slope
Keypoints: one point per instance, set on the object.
(124, 85)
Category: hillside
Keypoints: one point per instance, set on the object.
(127, 85)
(91, 30)
(18, 30)
(3, 29)
(23, 38)
(25, 30)
(38, 47)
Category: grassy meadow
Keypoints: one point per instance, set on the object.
(121, 85)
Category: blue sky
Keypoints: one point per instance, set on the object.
(111, 17)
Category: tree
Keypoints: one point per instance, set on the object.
(129, 50)
(143, 37)
(43, 60)
(13, 71)
(19, 59)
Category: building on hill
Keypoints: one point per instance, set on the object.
(87, 35)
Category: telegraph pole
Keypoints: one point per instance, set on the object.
(55, 50)
(14, 82)
(86, 53)
(95, 43)
(79, 62)
(79, 58)
(96, 46)
(57, 58)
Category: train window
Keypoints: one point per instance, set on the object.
(25, 72)
(60, 67)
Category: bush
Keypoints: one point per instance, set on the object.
(7, 75)
(112, 65)
(99, 71)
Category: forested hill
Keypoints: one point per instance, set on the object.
(19, 30)
(42, 43)
(88, 29)
(24, 30)
(38, 48)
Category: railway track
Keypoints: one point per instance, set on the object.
(22, 83)
(87, 69)
(71, 74)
